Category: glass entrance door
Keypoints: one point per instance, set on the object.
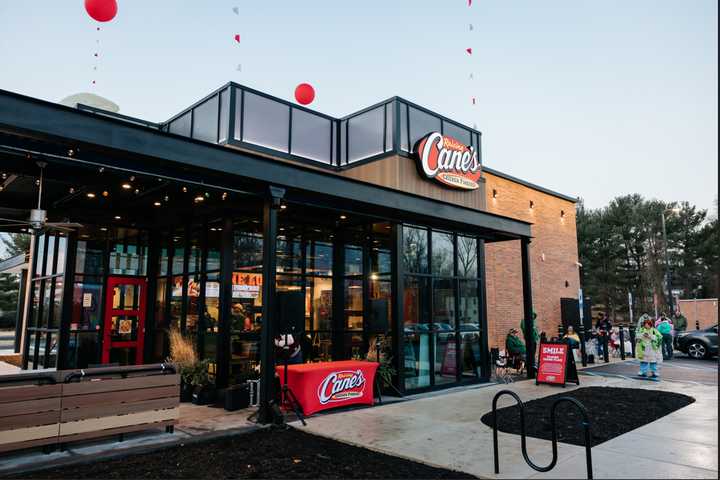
(124, 331)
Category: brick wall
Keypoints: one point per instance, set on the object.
(703, 309)
(553, 254)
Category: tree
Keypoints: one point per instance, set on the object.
(622, 250)
(15, 243)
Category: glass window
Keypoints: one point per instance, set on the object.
(404, 128)
(224, 115)
(421, 124)
(214, 242)
(178, 260)
(62, 249)
(318, 301)
(444, 304)
(40, 251)
(266, 122)
(289, 254)
(89, 258)
(176, 302)
(163, 261)
(366, 134)
(343, 142)
(49, 264)
(353, 260)
(415, 250)
(205, 121)
(87, 304)
(443, 254)
(460, 134)
(444, 328)
(194, 256)
(416, 333)
(389, 126)
(469, 327)
(467, 256)
(247, 251)
(319, 257)
(181, 125)
(353, 304)
(238, 114)
(380, 306)
(310, 136)
(57, 303)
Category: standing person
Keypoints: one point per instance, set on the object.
(603, 327)
(680, 323)
(665, 327)
(648, 348)
(534, 335)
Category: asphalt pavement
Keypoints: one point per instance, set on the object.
(680, 369)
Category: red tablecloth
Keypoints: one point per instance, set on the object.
(319, 386)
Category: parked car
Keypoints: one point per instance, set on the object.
(698, 343)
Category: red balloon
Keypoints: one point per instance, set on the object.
(304, 94)
(101, 10)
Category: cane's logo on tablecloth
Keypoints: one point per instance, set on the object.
(340, 386)
(448, 161)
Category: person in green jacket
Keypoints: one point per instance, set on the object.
(648, 348)
(680, 323)
(514, 345)
(535, 333)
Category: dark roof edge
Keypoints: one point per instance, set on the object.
(497, 173)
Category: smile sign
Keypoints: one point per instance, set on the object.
(448, 161)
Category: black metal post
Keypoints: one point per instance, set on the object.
(225, 322)
(622, 342)
(632, 339)
(267, 363)
(528, 308)
(397, 290)
(583, 339)
(20, 309)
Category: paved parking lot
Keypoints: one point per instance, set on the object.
(679, 369)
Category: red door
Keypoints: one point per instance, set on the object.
(124, 332)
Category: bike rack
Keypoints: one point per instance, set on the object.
(523, 442)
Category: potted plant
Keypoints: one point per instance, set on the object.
(203, 388)
(183, 355)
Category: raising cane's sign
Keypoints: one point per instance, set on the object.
(448, 161)
(341, 386)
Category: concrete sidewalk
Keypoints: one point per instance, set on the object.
(446, 431)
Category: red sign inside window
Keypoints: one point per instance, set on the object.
(553, 361)
(448, 161)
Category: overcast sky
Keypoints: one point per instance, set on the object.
(590, 98)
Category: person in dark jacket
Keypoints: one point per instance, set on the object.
(603, 326)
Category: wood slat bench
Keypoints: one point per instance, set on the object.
(87, 404)
(102, 404)
(29, 411)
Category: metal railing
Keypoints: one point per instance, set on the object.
(161, 368)
(24, 378)
(523, 441)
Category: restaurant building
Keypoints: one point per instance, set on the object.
(245, 213)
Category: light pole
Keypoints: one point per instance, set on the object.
(668, 283)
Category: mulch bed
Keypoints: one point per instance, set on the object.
(267, 453)
(612, 411)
